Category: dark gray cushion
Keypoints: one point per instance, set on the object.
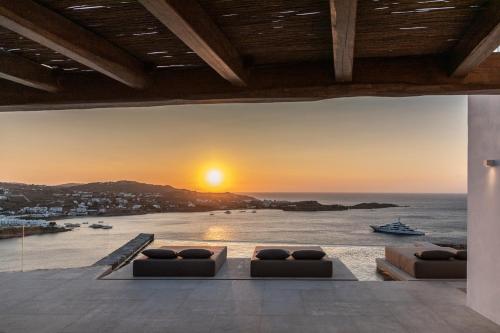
(160, 254)
(144, 266)
(461, 255)
(195, 254)
(308, 254)
(434, 255)
(273, 254)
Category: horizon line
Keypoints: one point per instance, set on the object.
(345, 192)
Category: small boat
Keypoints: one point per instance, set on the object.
(72, 225)
(212, 214)
(100, 222)
(95, 226)
(106, 226)
(243, 211)
(254, 211)
(227, 212)
(85, 223)
(397, 228)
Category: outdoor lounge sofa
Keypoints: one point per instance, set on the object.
(144, 266)
(402, 264)
(290, 267)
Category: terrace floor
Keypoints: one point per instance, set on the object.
(73, 300)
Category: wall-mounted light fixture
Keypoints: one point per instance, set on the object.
(491, 163)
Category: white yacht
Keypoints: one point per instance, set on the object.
(397, 228)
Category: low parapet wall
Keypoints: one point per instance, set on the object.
(123, 253)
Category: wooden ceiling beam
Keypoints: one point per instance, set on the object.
(343, 23)
(395, 77)
(35, 22)
(192, 25)
(25, 72)
(479, 42)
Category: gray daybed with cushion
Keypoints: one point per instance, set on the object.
(291, 267)
(404, 258)
(178, 266)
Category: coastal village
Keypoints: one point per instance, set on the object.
(36, 207)
(110, 199)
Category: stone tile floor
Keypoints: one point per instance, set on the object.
(73, 300)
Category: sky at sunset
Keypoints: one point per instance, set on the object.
(416, 144)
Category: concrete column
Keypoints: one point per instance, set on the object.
(483, 225)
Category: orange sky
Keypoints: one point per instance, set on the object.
(343, 145)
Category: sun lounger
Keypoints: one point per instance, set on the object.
(144, 266)
(290, 267)
(401, 263)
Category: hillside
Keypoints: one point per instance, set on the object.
(120, 186)
(121, 197)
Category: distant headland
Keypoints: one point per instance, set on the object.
(314, 206)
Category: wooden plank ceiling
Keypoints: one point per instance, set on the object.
(57, 54)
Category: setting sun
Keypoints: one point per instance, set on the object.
(214, 177)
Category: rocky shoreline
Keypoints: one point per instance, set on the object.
(299, 206)
(289, 206)
(13, 232)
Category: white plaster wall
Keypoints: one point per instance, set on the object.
(483, 236)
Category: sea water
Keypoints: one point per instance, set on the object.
(344, 234)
